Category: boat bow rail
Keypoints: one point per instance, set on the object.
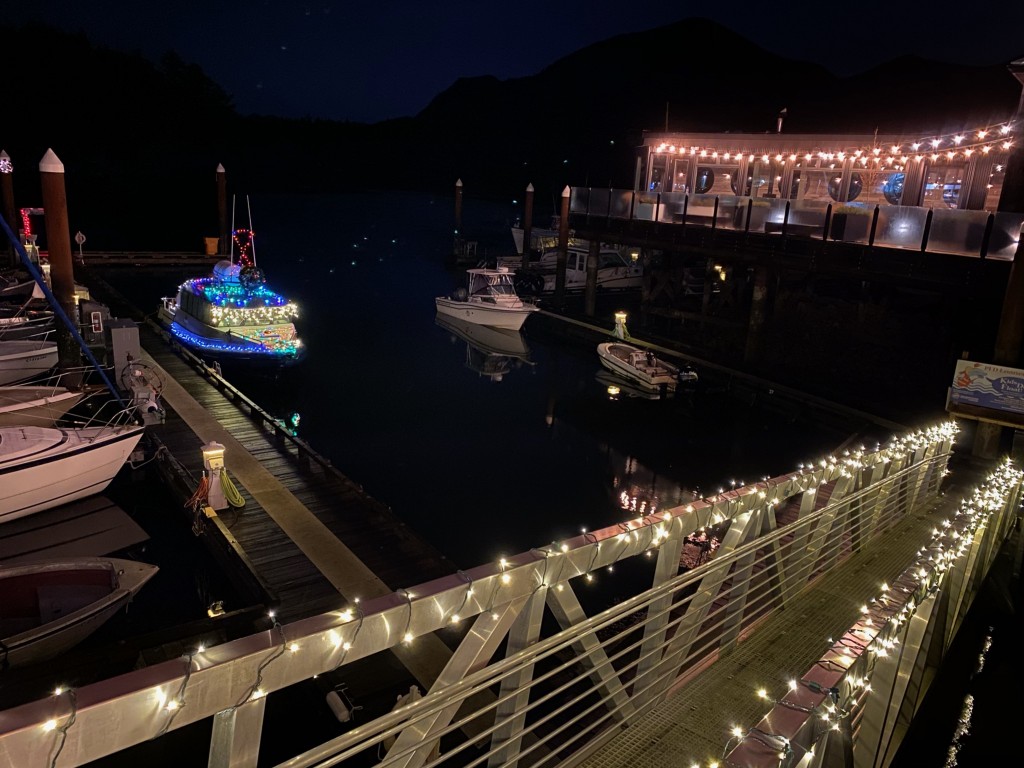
(562, 692)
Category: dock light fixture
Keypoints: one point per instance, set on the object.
(620, 331)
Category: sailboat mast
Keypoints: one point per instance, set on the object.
(252, 237)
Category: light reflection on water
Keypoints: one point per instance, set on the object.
(480, 463)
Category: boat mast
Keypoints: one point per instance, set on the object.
(231, 245)
(252, 237)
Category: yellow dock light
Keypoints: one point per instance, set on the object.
(620, 331)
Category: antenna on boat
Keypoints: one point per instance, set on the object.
(231, 245)
(252, 237)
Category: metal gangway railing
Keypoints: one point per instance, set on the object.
(535, 681)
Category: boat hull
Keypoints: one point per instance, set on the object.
(217, 345)
(510, 318)
(35, 406)
(615, 279)
(82, 464)
(23, 360)
(615, 357)
(66, 600)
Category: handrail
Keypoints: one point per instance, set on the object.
(678, 620)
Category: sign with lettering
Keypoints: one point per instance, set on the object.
(988, 386)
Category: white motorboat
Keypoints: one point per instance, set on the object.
(490, 299)
(642, 366)
(51, 605)
(42, 467)
(39, 406)
(24, 359)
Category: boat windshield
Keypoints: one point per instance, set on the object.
(492, 285)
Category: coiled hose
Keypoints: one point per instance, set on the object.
(231, 493)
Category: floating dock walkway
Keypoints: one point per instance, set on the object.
(307, 532)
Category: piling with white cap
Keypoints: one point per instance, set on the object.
(563, 246)
(7, 192)
(527, 225)
(58, 242)
(222, 211)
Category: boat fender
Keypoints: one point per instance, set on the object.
(337, 706)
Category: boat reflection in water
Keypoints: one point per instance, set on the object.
(618, 387)
(490, 351)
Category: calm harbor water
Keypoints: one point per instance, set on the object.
(481, 466)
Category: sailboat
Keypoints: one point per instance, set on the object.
(233, 314)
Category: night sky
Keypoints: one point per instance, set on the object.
(369, 61)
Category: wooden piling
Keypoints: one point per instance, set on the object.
(458, 208)
(757, 315)
(563, 246)
(58, 242)
(527, 225)
(7, 192)
(222, 211)
(590, 295)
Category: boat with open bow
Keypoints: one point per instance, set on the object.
(51, 605)
(642, 366)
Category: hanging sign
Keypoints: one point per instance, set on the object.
(982, 385)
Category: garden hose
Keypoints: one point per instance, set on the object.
(234, 498)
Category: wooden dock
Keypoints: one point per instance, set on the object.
(306, 533)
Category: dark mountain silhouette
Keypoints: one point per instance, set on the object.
(140, 140)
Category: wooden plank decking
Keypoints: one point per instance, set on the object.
(375, 536)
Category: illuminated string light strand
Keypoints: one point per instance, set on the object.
(174, 704)
(346, 645)
(255, 691)
(406, 635)
(985, 139)
(62, 730)
(465, 598)
(924, 577)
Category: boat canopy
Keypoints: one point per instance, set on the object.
(489, 283)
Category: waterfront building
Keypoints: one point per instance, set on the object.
(961, 170)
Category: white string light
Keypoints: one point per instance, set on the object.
(62, 730)
(255, 691)
(922, 578)
(958, 144)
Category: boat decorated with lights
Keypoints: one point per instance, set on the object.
(233, 314)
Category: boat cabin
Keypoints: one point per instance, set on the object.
(491, 286)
